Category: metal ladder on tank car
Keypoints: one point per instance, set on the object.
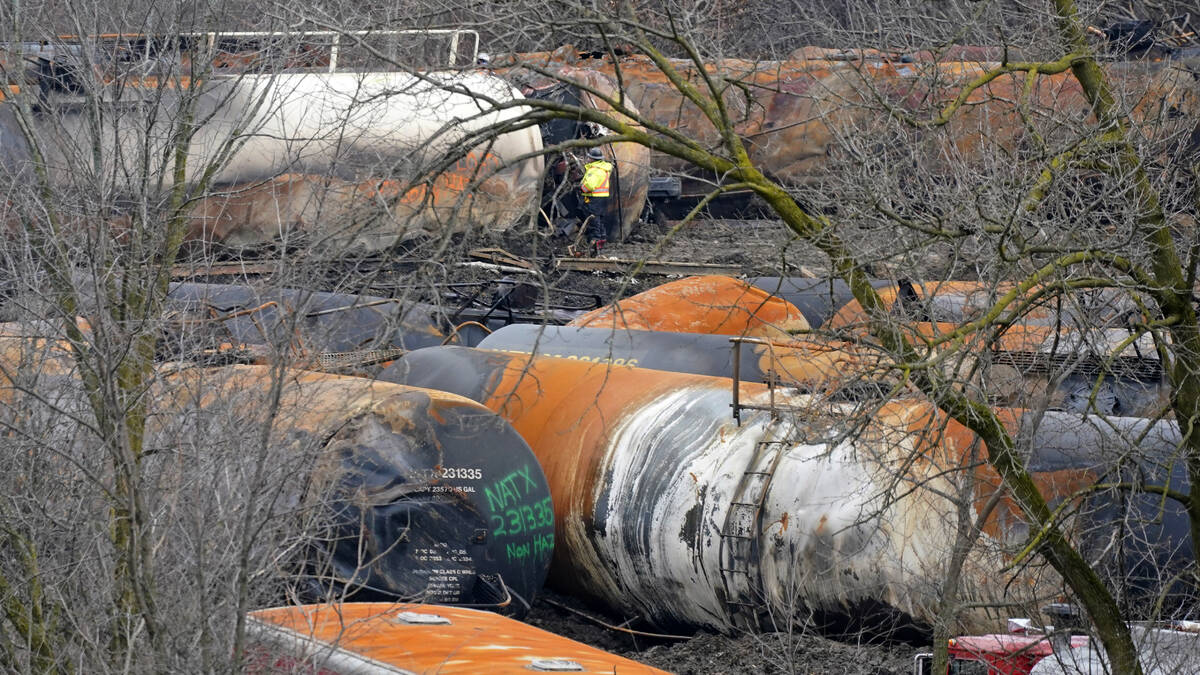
(741, 575)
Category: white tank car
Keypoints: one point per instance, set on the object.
(348, 160)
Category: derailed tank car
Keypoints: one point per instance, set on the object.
(299, 152)
(336, 160)
(808, 365)
(668, 509)
(1050, 356)
(791, 113)
(296, 321)
(405, 493)
(713, 304)
(427, 496)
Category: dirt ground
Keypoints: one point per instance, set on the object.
(797, 653)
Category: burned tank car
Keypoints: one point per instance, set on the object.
(420, 495)
(311, 320)
(669, 509)
(334, 161)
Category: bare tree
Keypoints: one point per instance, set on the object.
(1039, 168)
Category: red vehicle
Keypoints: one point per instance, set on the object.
(994, 654)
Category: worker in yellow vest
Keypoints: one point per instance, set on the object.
(595, 189)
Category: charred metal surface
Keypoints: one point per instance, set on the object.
(818, 299)
(1053, 355)
(1139, 539)
(711, 304)
(428, 496)
(667, 508)
(791, 113)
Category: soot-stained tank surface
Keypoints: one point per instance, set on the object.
(421, 495)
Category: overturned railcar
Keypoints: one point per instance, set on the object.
(297, 322)
(342, 161)
(669, 509)
(1138, 537)
(792, 114)
(812, 366)
(420, 495)
(1052, 354)
(331, 159)
(817, 298)
(291, 149)
(394, 492)
(1069, 353)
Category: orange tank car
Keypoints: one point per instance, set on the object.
(668, 508)
(791, 114)
(415, 639)
(714, 305)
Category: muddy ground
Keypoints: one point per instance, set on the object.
(798, 652)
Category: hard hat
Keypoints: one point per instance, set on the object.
(483, 58)
(595, 153)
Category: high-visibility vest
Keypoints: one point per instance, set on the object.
(595, 179)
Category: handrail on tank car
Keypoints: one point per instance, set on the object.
(454, 33)
(772, 381)
(210, 39)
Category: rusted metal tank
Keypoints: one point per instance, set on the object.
(378, 638)
(341, 160)
(1053, 354)
(416, 510)
(416, 494)
(1136, 538)
(714, 305)
(428, 496)
(791, 113)
(1051, 357)
(668, 509)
